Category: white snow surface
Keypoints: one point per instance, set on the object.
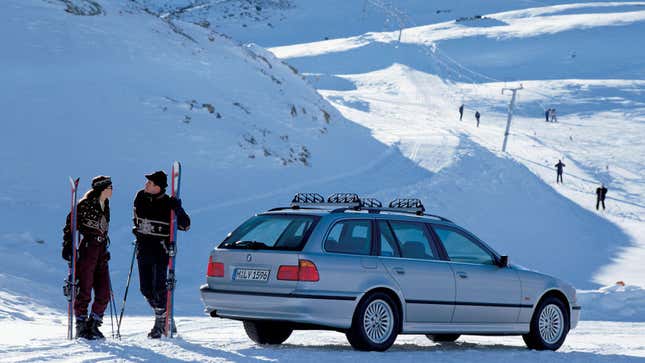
(131, 89)
(203, 339)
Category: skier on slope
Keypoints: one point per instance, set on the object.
(152, 228)
(601, 193)
(559, 169)
(547, 114)
(477, 116)
(461, 111)
(92, 272)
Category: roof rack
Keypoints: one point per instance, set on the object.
(308, 198)
(371, 203)
(344, 198)
(342, 202)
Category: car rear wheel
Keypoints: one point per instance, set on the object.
(266, 332)
(443, 338)
(376, 323)
(549, 325)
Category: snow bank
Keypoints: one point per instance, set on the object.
(613, 303)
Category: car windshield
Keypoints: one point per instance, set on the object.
(271, 231)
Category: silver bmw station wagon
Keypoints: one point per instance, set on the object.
(372, 272)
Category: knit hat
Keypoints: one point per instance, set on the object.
(159, 178)
(101, 182)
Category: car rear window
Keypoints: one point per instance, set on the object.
(272, 231)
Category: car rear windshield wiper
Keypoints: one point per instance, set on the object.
(253, 245)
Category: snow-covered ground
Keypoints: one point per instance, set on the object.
(367, 103)
(214, 340)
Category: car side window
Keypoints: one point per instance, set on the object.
(413, 240)
(461, 248)
(388, 242)
(353, 237)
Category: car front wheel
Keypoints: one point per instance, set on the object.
(375, 324)
(549, 325)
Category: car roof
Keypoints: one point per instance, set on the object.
(340, 213)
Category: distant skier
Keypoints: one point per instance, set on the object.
(547, 114)
(601, 192)
(92, 272)
(554, 118)
(477, 115)
(559, 168)
(461, 111)
(152, 228)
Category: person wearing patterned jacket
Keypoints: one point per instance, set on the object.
(92, 272)
(152, 208)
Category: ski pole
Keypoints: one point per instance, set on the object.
(112, 308)
(125, 295)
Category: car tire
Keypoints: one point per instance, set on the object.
(549, 325)
(443, 338)
(376, 323)
(266, 332)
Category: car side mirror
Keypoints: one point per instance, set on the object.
(503, 261)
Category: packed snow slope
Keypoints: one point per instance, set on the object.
(402, 69)
(107, 87)
(203, 339)
(102, 87)
(93, 87)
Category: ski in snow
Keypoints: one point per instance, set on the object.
(175, 177)
(70, 288)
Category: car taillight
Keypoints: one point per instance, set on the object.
(215, 269)
(305, 271)
(308, 271)
(289, 273)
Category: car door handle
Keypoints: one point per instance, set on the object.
(399, 270)
(462, 274)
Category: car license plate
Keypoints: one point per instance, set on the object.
(251, 275)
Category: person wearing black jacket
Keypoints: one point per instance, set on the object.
(601, 193)
(92, 272)
(559, 168)
(152, 208)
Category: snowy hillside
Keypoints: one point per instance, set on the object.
(263, 98)
(403, 68)
(406, 85)
(124, 93)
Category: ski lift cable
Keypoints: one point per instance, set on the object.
(437, 54)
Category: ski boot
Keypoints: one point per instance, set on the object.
(160, 322)
(93, 325)
(82, 330)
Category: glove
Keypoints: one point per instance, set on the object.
(67, 252)
(107, 255)
(175, 203)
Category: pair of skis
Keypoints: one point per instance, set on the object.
(175, 176)
(71, 285)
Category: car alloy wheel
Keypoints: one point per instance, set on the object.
(551, 323)
(378, 321)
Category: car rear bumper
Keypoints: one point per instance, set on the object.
(334, 311)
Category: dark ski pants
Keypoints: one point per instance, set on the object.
(558, 179)
(598, 202)
(92, 272)
(153, 267)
